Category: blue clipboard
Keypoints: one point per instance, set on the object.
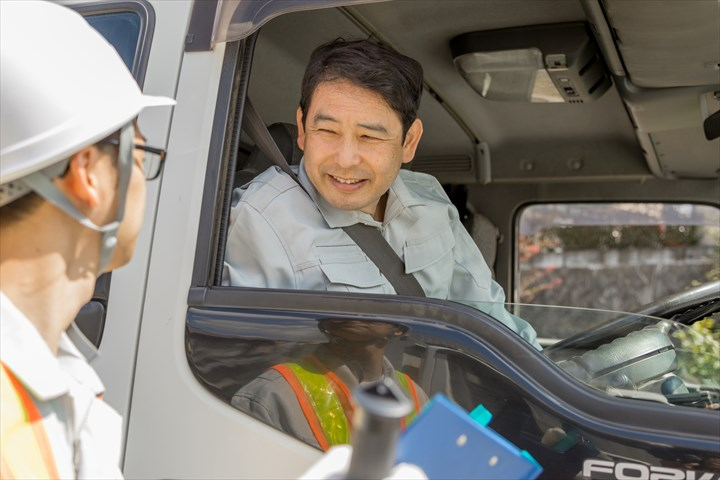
(447, 442)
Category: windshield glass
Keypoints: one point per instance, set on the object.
(637, 356)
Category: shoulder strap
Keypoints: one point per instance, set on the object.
(384, 257)
(257, 130)
(367, 238)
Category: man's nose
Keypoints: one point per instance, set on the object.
(348, 154)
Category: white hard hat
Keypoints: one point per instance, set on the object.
(63, 87)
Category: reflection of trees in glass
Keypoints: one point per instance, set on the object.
(714, 272)
(604, 237)
(617, 255)
(536, 280)
(699, 352)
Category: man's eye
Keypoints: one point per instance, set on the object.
(325, 130)
(370, 138)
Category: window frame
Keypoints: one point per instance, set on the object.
(147, 27)
(91, 318)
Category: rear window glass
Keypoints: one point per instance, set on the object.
(614, 256)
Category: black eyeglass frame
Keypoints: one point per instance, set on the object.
(161, 153)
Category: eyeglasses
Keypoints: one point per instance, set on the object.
(153, 158)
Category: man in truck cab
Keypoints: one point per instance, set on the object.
(357, 125)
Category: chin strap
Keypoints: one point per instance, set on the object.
(41, 183)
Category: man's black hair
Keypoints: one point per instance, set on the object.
(376, 67)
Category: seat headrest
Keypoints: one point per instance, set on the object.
(285, 136)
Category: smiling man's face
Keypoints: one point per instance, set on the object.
(354, 146)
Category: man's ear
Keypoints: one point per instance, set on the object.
(412, 138)
(80, 183)
(301, 128)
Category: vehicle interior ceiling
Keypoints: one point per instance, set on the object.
(642, 139)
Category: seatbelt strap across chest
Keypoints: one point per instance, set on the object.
(384, 257)
(366, 237)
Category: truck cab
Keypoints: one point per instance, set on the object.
(585, 163)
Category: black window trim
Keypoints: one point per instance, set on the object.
(145, 11)
(222, 161)
(529, 369)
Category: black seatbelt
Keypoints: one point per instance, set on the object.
(366, 237)
(384, 257)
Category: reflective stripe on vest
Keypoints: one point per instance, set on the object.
(407, 384)
(326, 401)
(26, 450)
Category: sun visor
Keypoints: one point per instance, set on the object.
(539, 64)
(667, 43)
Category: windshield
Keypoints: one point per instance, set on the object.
(627, 354)
(637, 356)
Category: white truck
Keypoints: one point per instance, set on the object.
(625, 114)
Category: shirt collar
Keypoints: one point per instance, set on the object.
(343, 371)
(29, 357)
(399, 198)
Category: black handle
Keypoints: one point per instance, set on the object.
(379, 408)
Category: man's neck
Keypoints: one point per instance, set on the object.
(367, 358)
(45, 274)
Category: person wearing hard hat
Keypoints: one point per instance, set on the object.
(72, 194)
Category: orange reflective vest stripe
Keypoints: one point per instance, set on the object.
(326, 401)
(407, 384)
(26, 450)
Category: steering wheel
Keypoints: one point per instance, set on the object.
(699, 301)
(627, 362)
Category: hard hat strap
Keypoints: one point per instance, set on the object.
(41, 183)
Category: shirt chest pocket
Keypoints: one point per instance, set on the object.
(347, 269)
(431, 255)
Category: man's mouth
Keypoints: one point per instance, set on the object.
(346, 181)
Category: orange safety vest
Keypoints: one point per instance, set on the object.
(25, 448)
(326, 401)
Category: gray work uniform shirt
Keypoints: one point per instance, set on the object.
(281, 236)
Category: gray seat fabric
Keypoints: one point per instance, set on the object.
(285, 136)
(486, 236)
